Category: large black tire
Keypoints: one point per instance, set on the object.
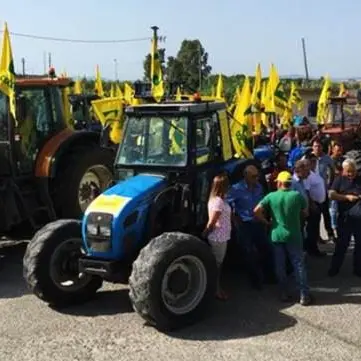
(148, 273)
(69, 176)
(39, 265)
(356, 156)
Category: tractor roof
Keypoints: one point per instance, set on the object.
(175, 107)
(41, 80)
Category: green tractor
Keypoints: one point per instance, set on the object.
(146, 229)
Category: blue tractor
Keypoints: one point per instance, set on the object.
(145, 229)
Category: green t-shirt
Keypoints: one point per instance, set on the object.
(284, 207)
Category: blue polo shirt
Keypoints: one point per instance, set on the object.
(244, 199)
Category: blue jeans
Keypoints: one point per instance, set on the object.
(333, 214)
(295, 255)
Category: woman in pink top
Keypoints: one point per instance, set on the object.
(218, 229)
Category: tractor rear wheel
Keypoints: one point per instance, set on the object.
(50, 265)
(82, 178)
(173, 281)
(356, 156)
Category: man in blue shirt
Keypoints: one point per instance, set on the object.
(251, 233)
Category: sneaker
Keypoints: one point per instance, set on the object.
(306, 300)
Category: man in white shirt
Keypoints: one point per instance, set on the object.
(315, 186)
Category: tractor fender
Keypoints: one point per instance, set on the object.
(62, 143)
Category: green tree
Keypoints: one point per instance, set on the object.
(190, 66)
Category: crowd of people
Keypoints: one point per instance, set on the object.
(276, 228)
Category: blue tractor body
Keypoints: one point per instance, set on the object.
(126, 205)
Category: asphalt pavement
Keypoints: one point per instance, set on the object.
(252, 325)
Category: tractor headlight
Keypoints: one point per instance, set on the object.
(92, 229)
(99, 225)
(105, 231)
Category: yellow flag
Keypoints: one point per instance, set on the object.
(241, 125)
(78, 89)
(7, 72)
(128, 93)
(156, 72)
(178, 96)
(279, 98)
(109, 111)
(118, 92)
(264, 115)
(322, 105)
(66, 107)
(257, 90)
(256, 100)
(295, 97)
(112, 91)
(220, 88)
(98, 86)
(342, 91)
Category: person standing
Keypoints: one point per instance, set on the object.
(286, 208)
(338, 158)
(251, 234)
(325, 167)
(317, 195)
(218, 228)
(346, 190)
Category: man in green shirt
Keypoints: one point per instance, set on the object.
(286, 207)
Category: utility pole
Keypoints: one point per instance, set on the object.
(116, 69)
(200, 65)
(44, 61)
(157, 38)
(23, 65)
(305, 59)
(49, 60)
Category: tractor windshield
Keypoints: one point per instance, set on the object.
(154, 140)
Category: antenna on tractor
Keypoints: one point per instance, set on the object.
(155, 32)
(305, 58)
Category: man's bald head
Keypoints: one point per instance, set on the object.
(251, 174)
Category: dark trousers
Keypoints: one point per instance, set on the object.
(313, 229)
(256, 250)
(347, 227)
(325, 211)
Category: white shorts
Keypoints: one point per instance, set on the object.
(219, 250)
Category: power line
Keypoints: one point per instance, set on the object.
(67, 40)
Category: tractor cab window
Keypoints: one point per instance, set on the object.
(154, 140)
(3, 118)
(203, 139)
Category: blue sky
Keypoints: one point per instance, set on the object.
(236, 33)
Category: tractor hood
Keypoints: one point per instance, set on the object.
(118, 217)
(116, 198)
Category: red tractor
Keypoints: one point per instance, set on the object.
(47, 170)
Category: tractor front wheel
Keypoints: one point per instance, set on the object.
(51, 262)
(173, 281)
(84, 176)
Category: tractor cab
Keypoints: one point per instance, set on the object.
(344, 121)
(40, 115)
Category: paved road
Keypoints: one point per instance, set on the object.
(251, 326)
